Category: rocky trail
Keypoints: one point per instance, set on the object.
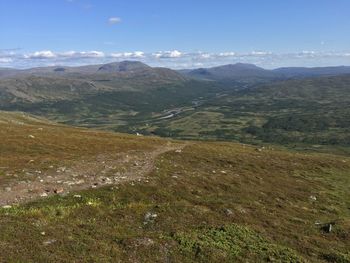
(99, 171)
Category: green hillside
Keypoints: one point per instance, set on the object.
(102, 197)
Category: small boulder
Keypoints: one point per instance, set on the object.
(49, 242)
(228, 212)
(313, 198)
(150, 217)
(58, 190)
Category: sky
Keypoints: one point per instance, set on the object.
(175, 33)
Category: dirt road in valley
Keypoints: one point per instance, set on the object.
(101, 171)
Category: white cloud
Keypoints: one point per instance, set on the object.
(205, 55)
(83, 54)
(174, 58)
(41, 54)
(90, 54)
(168, 54)
(136, 54)
(6, 60)
(260, 53)
(227, 54)
(114, 20)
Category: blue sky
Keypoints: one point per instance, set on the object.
(178, 34)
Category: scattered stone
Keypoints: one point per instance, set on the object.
(6, 206)
(8, 189)
(144, 242)
(77, 196)
(31, 136)
(242, 210)
(61, 169)
(44, 195)
(223, 172)
(58, 190)
(150, 217)
(80, 181)
(228, 212)
(43, 233)
(178, 151)
(49, 242)
(313, 198)
(328, 227)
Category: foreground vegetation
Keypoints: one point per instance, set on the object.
(209, 202)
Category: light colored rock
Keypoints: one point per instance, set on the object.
(150, 217)
(49, 242)
(313, 198)
(228, 212)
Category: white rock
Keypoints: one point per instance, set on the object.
(313, 198)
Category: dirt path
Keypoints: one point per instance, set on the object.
(100, 171)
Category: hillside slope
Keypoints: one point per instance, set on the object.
(189, 202)
(49, 84)
(232, 72)
(249, 72)
(311, 113)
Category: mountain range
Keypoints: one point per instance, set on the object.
(241, 71)
(230, 71)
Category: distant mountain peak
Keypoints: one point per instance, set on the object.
(231, 72)
(123, 66)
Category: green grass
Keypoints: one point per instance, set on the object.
(215, 202)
